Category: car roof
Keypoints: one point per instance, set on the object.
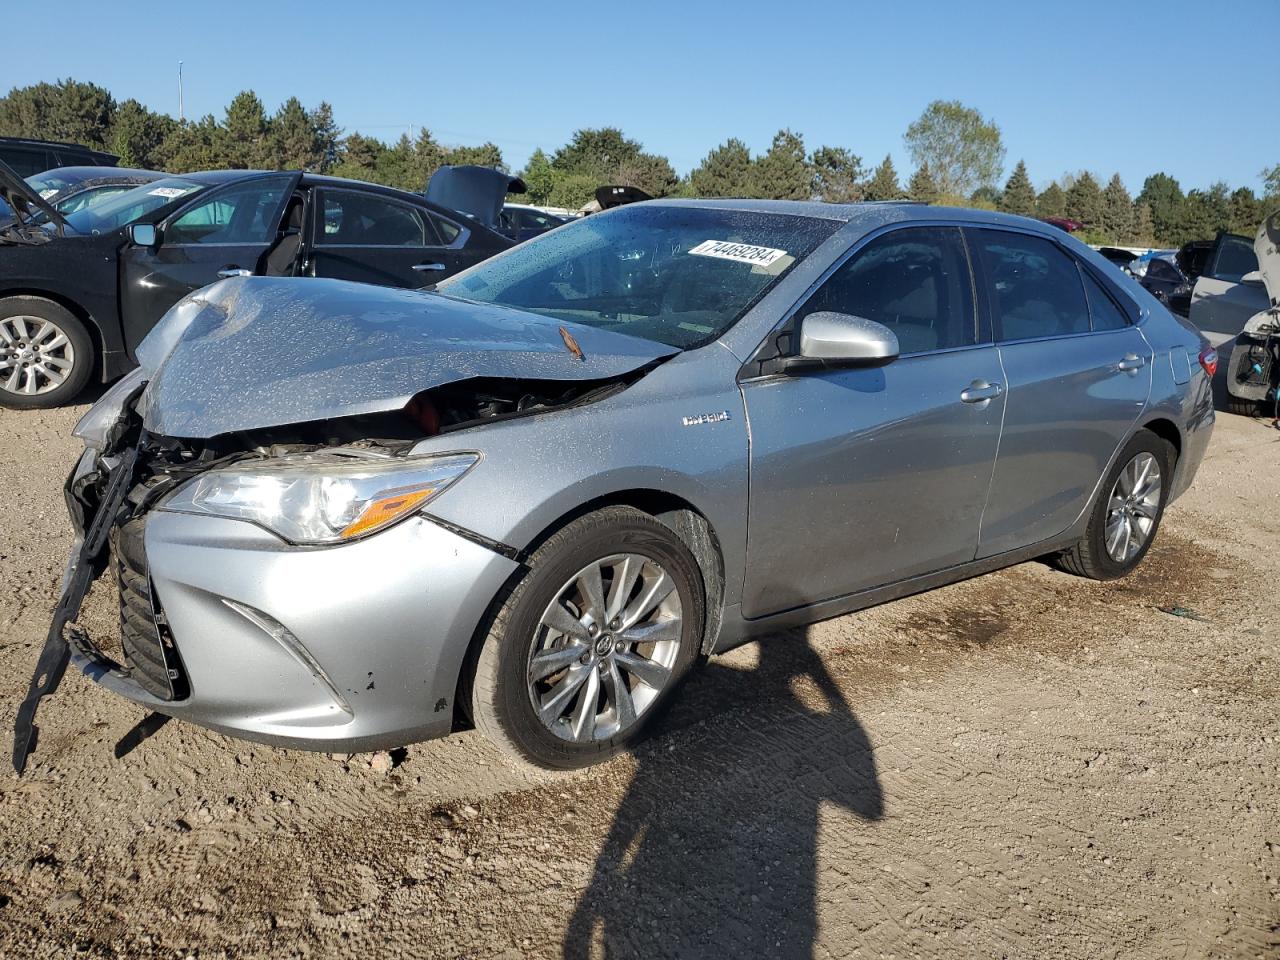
(32, 142)
(870, 212)
(106, 173)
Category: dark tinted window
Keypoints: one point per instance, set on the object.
(914, 281)
(1163, 270)
(28, 160)
(1235, 258)
(1036, 289)
(447, 229)
(1103, 310)
(365, 219)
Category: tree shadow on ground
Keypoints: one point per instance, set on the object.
(713, 850)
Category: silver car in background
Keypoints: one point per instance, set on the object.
(341, 517)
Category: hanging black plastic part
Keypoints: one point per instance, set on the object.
(57, 652)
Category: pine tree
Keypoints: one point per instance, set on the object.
(783, 173)
(291, 138)
(137, 135)
(538, 177)
(1052, 202)
(1117, 211)
(1163, 195)
(837, 175)
(883, 184)
(724, 172)
(1019, 195)
(1084, 200)
(246, 132)
(922, 186)
(1143, 227)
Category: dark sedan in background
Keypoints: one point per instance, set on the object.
(79, 291)
(68, 189)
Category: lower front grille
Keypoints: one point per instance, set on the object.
(146, 642)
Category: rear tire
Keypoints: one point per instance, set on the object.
(1243, 408)
(46, 354)
(603, 683)
(1122, 516)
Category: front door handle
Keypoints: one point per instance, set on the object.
(1131, 362)
(422, 267)
(226, 272)
(981, 391)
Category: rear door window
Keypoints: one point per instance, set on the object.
(1035, 289)
(915, 281)
(1104, 312)
(355, 218)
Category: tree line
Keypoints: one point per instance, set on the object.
(958, 157)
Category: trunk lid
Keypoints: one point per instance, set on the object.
(477, 192)
(1267, 246)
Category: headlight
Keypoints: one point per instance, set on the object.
(326, 497)
(95, 427)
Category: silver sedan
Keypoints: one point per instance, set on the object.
(342, 517)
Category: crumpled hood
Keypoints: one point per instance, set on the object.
(253, 352)
(1267, 246)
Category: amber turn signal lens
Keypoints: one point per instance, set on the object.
(385, 510)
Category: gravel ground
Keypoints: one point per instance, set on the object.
(1023, 765)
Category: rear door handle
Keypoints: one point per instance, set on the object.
(421, 267)
(234, 272)
(1131, 362)
(980, 391)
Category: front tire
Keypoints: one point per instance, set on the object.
(586, 649)
(1127, 513)
(46, 354)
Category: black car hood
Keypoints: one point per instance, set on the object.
(21, 199)
(254, 352)
(478, 192)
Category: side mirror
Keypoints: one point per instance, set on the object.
(144, 234)
(1253, 276)
(841, 339)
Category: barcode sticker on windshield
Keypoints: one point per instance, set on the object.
(169, 192)
(46, 194)
(741, 252)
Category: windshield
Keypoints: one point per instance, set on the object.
(127, 207)
(677, 275)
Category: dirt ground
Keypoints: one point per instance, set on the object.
(1024, 765)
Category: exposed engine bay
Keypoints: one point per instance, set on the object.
(113, 488)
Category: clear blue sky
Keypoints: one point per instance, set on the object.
(1119, 86)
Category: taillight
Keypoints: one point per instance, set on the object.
(1209, 360)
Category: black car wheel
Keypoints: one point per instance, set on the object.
(1127, 513)
(46, 354)
(586, 648)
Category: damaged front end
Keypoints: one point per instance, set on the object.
(239, 514)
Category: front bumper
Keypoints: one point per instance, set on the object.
(351, 647)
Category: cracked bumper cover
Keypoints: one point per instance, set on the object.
(351, 647)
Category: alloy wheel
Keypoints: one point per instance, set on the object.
(605, 648)
(36, 356)
(1132, 508)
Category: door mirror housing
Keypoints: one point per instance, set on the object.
(1253, 276)
(144, 234)
(841, 339)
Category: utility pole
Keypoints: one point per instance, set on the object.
(179, 91)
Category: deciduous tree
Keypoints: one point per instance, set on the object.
(962, 149)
